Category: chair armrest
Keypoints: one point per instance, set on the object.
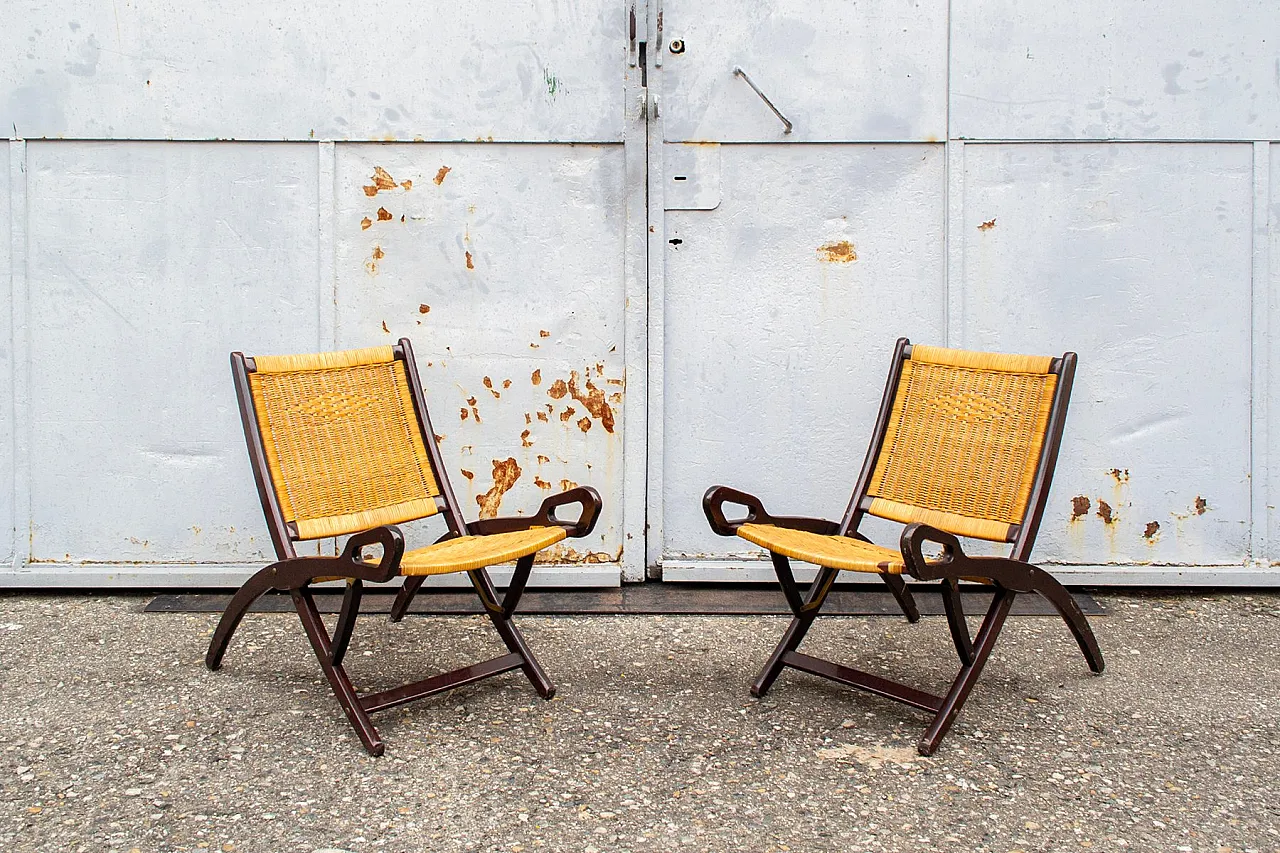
(717, 496)
(392, 542)
(914, 536)
(586, 496)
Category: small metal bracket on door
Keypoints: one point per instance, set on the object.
(786, 122)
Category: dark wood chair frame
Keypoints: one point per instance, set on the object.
(1009, 576)
(294, 574)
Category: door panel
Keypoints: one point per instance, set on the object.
(504, 265)
(781, 309)
(1138, 257)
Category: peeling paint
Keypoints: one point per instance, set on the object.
(840, 253)
(542, 416)
(384, 327)
(524, 439)
(470, 263)
(383, 214)
(1151, 531)
(408, 185)
(424, 309)
(542, 460)
(543, 333)
(541, 483)
(488, 383)
(440, 174)
(536, 378)
(366, 224)
(381, 181)
(988, 225)
(1104, 512)
(1119, 476)
(1202, 506)
(593, 401)
(470, 475)
(566, 485)
(505, 474)
(584, 424)
(567, 414)
(565, 554)
(1079, 507)
(506, 383)
(558, 390)
(464, 413)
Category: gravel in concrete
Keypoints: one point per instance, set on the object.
(114, 737)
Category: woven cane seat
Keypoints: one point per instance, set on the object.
(836, 552)
(467, 553)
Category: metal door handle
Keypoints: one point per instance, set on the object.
(786, 123)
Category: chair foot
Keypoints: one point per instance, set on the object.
(240, 603)
(1056, 594)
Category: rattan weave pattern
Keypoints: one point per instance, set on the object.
(467, 553)
(964, 441)
(837, 552)
(344, 447)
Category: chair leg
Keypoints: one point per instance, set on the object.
(1057, 595)
(346, 621)
(968, 676)
(800, 623)
(905, 599)
(501, 619)
(252, 590)
(955, 620)
(404, 597)
(342, 687)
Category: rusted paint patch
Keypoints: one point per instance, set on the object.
(567, 414)
(378, 254)
(440, 438)
(1119, 476)
(381, 181)
(543, 333)
(593, 400)
(1104, 512)
(988, 225)
(1202, 506)
(505, 473)
(524, 439)
(838, 253)
(614, 381)
(566, 485)
(584, 424)
(542, 416)
(383, 214)
(464, 414)
(566, 554)
(470, 263)
(536, 378)
(557, 390)
(1153, 528)
(408, 185)
(543, 460)
(1079, 507)
(506, 383)
(541, 483)
(528, 419)
(440, 174)
(384, 327)
(424, 309)
(366, 224)
(488, 383)
(471, 401)
(371, 265)
(470, 475)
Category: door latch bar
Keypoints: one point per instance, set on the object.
(786, 122)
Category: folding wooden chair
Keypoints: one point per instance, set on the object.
(341, 444)
(965, 445)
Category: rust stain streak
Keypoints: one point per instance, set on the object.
(1079, 507)
(440, 174)
(593, 400)
(505, 474)
(988, 225)
(838, 253)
